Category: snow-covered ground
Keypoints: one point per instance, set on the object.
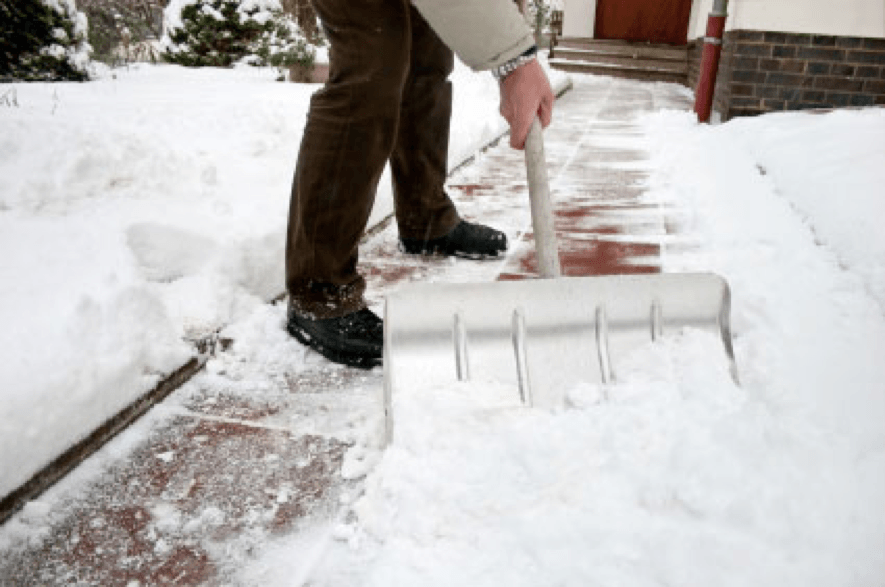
(674, 476)
(138, 212)
(144, 209)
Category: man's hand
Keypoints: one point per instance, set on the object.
(526, 93)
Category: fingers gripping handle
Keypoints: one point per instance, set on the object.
(542, 208)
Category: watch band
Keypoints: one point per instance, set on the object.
(508, 67)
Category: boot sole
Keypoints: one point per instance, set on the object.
(459, 254)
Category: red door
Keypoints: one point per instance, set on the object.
(655, 21)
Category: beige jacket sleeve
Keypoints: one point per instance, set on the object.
(483, 33)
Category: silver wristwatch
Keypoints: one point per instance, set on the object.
(508, 67)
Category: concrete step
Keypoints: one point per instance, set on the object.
(615, 47)
(658, 75)
(642, 61)
(679, 66)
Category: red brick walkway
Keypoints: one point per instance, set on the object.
(256, 447)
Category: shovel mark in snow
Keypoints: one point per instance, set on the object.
(166, 253)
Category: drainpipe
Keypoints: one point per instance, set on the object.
(710, 61)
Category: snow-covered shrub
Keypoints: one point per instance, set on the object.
(43, 40)
(224, 32)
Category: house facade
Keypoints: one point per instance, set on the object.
(776, 54)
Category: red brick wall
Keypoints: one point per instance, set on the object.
(769, 71)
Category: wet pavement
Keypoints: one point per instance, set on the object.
(258, 446)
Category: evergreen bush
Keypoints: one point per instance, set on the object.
(220, 33)
(43, 40)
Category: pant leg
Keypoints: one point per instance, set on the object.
(350, 132)
(420, 157)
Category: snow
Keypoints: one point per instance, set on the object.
(675, 475)
(258, 10)
(79, 49)
(812, 317)
(838, 175)
(137, 213)
(172, 16)
(782, 204)
(148, 209)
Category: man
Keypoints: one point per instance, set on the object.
(388, 98)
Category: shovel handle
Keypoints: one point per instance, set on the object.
(542, 208)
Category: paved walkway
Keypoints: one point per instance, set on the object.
(255, 447)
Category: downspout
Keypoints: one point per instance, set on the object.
(703, 104)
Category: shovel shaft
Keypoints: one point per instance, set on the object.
(542, 209)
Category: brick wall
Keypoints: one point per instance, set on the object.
(770, 71)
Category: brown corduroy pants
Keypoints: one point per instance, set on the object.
(387, 98)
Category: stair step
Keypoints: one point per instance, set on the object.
(614, 47)
(676, 66)
(647, 74)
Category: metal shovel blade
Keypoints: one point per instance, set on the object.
(543, 336)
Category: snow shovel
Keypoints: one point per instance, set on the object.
(546, 335)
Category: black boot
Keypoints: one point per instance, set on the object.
(465, 240)
(355, 340)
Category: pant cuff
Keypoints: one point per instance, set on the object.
(320, 301)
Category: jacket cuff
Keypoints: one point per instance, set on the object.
(484, 33)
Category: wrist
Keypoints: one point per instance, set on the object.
(505, 69)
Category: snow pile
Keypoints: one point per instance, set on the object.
(675, 476)
(801, 260)
(135, 212)
(828, 168)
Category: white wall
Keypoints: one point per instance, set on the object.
(578, 18)
(850, 18)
